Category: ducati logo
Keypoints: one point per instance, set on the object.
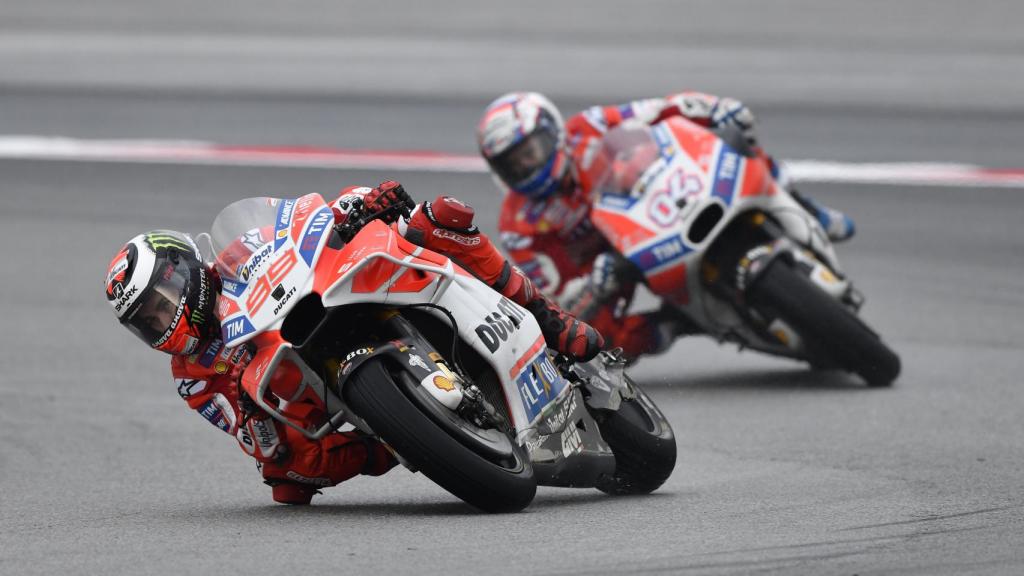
(499, 326)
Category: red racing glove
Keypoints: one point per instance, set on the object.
(389, 195)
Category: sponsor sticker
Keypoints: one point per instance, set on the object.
(513, 241)
(120, 272)
(266, 435)
(456, 237)
(359, 352)
(210, 354)
(165, 241)
(659, 253)
(124, 297)
(499, 326)
(233, 288)
(571, 441)
(284, 300)
(245, 440)
(443, 383)
(252, 240)
(724, 186)
(218, 412)
(311, 240)
(256, 262)
(284, 215)
(307, 480)
(616, 202)
(237, 328)
(539, 383)
(188, 388)
(417, 360)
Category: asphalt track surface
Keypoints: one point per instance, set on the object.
(781, 470)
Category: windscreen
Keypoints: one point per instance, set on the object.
(626, 154)
(245, 228)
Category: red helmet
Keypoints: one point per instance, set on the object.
(162, 292)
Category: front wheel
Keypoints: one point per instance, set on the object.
(832, 334)
(643, 444)
(484, 468)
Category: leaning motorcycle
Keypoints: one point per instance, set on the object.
(702, 222)
(403, 344)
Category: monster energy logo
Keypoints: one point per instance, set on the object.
(198, 315)
(158, 241)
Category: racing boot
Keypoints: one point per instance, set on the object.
(838, 226)
(446, 226)
(562, 331)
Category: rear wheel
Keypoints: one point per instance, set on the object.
(485, 468)
(832, 334)
(643, 444)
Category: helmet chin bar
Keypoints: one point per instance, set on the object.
(545, 182)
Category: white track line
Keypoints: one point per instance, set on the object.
(207, 153)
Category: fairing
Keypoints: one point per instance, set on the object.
(667, 192)
(378, 266)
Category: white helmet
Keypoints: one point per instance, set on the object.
(522, 137)
(162, 292)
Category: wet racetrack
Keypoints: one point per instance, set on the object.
(103, 469)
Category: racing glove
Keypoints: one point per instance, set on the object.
(562, 331)
(732, 112)
(391, 198)
(359, 204)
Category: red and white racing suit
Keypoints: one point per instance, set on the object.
(294, 465)
(553, 239)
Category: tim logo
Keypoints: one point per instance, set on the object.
(319, 223)
(236, 328)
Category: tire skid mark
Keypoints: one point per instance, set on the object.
(931, 518)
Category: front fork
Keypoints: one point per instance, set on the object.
(769, 244)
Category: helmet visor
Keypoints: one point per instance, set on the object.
(161, 307)
(525, 161)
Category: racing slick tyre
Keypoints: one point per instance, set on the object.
(484, 468)
(832, 334)
(643, 444)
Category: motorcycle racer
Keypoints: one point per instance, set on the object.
(162, 291)
(547, 170)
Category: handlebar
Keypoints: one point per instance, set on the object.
(357, 218)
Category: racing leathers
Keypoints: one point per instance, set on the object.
(292, 464)
(553, 240)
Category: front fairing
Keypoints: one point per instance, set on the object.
(266, 249)
(668, 190)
